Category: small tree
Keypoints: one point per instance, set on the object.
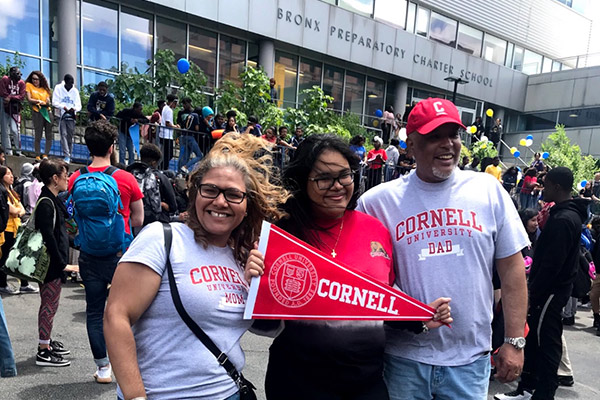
(251, 98)
(15, 62)
(483, 149)
(167, 77)
(564, 154)
(130, 86)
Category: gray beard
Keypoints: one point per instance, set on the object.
(443, 175)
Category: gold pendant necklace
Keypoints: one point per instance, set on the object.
(333, 253)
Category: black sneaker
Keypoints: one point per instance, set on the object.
(565, 380)
(59, 348)
(568, 321)
(46, 358)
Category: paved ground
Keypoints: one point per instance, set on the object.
(76, 382)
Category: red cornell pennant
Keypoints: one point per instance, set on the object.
(301, 282)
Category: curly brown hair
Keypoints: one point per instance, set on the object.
(43, 80)
(252, 158)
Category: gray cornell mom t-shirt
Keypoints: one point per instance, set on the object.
(173, 362)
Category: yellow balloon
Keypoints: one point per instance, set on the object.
(473, 129)
(484, 146)
(522, 142)
(375, 123)
(512, 150)
(489, 112)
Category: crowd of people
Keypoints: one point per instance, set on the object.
(461, 241)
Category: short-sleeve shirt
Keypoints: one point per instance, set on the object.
(446, 237)
(377, 163)
(494, 171)
(37, 93)
(360, 151)
(174, 364)
(166, 116)
(128, 187)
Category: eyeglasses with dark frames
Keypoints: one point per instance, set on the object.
(210, 191)
(327, 182)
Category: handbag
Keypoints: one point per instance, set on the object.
(28, 259)
(246, 388)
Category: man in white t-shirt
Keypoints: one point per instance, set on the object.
(166, 131)
(449, 228)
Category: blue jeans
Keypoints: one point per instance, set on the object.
(412, 380)
(235, 396)
(187, 146)
(7, 358)
(126, 144)
(96, 273)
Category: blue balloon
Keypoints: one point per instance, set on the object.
(517, 153)
(378, 113)
(583, 183)
(402, 144)
(545, 155)
(183, 65)
(529, 137)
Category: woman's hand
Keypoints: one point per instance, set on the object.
(255, 265)
(442, 313)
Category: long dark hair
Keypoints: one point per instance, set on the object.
(301, 220)
(43, 80)
(3, 170)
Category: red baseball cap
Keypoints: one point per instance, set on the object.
(429, 114)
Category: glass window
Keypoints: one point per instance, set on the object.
(375, 92)
(390, 94)
(532, 62)
(203, 51)
(364, 7)
(172, 36)
(579, 117)
(392, 11)
(137, 37)
(99, 36)
(556, 66)
(252, 55)
(411, 14)
(31, 64)
(442, 29)
(20, 26)
(333, 85)
(494, 49)
(286, 71)
(422, 22)
(547, 65)
(538, 121)
(50, 70)
(232, 59)
(93, 77)
(469, 40)
(355, 93)
(518, 59)
(49, 34)
(509, 54)
(310, 75)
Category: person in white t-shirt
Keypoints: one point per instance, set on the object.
(152, 351)
(449, 228)
(166, 131)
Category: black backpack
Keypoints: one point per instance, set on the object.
(149, 184)
(583, 282)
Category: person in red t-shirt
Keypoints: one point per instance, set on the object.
(376, 157)
(97, 272)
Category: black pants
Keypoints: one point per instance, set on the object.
(167, 151)
(544, 347)
(9, 241)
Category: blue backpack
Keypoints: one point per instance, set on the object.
(96, 201)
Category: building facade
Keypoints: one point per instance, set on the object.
(367, 54)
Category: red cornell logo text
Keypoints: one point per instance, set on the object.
(293, 280)
(442, 217)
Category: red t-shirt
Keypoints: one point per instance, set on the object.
(128, 186)
(272, 140)
(528, 184)
(364, 244)
(376, 163)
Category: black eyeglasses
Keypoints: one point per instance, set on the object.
(327, 182)
(210, 191)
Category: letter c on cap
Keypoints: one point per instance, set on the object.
(438, 107)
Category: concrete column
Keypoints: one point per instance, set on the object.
(400, 95)
(67, 38)
(266, 56)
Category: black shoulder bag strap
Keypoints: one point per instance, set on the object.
(246, 387)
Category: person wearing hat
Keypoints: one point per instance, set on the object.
(376, 157)
(449, 228)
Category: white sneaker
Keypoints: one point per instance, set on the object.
(514, 395)
(9, 290)
(28, 289)
(103, 374)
